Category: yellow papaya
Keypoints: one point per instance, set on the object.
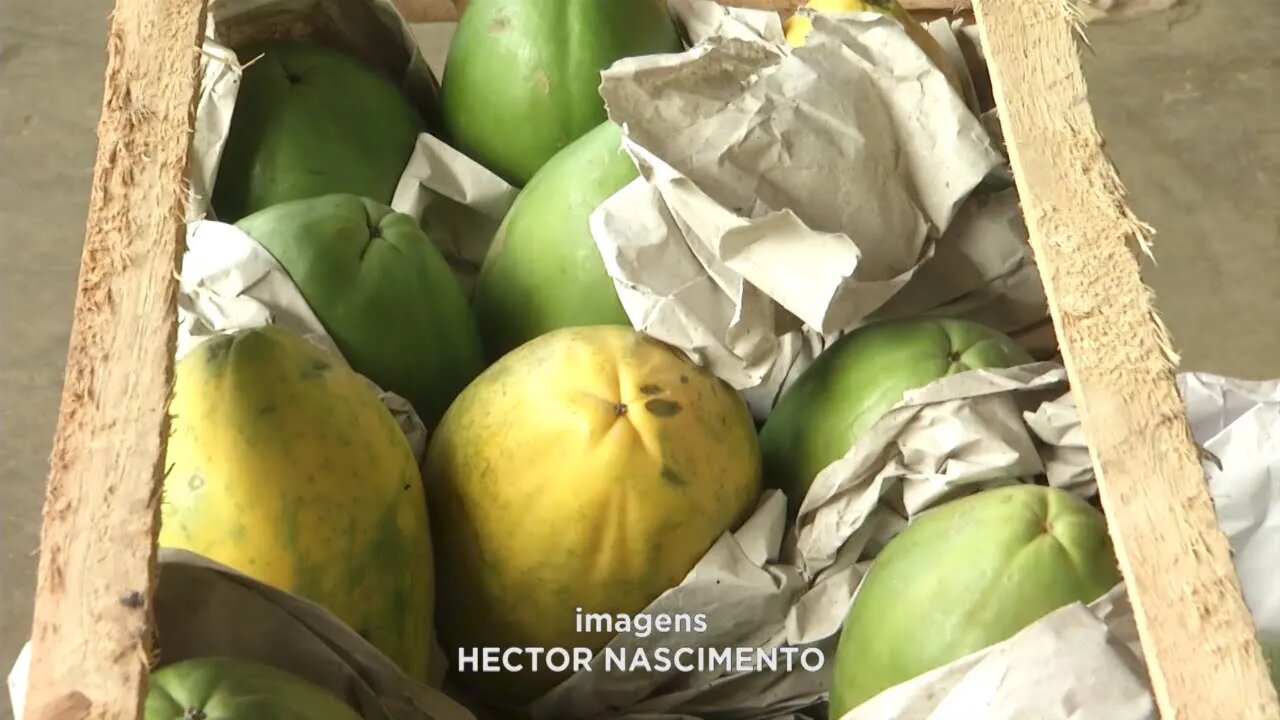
(590, 468)
(287, 467)
(797, 28)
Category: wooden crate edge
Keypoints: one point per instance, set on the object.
(1197, 633)
(91, 630)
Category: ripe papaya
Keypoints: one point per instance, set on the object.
(286, 466)
(589, 468)
(522, 77)
(860, 378)
(383, 292)
(308, 121)
(966, 575)
(543, 270)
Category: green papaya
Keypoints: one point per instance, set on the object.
(383, 292)
(309, 121)
(543, 271)
(966, 575)
(1271, 653)
(853, 383)
(522, 77)
(220, 688)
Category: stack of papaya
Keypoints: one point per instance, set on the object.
(573, 462)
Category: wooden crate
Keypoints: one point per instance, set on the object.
(90, 636)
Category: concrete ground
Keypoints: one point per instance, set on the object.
(1187, 101)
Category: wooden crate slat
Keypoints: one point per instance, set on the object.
(91, 630)
(1197, 634)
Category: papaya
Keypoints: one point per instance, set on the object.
(222, 688)
(1271, 653)
(966, 575)
(308, 121)
(522, 77)
(797, 28)
(543, 270)
(589, 468)
(286, 466)
(853, 383)
(383, 292)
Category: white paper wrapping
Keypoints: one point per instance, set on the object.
(948, 39)
(703, 20)
(1238, 423)
(735, 244)
(1030, 675)
(982, 271)
(457, 202)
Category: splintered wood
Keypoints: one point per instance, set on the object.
(91, 631)
(1197, 634)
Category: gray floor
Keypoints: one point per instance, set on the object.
(1187, 101)
(51, 64)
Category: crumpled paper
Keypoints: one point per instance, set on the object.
(1238, 423)
(230, 282)
(956, 35)
(1030, 676)
(458, 202)
(982, 271)
(735, 234)
(703, 20)
(961, 434)
(205, 609)
(958, 435)
(1103, 675)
